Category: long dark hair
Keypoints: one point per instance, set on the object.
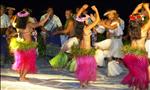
(134, 27)
(21, 21)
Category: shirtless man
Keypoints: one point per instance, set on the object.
(69, 25)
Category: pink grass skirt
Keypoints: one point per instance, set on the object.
(138, 71)
(25, 60)
(86, 69)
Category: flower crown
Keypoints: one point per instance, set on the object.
(23, 14)
(136, 17)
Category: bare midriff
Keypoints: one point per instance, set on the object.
(140, 43)
(86, 41)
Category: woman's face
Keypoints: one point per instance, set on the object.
(111, 16)
(10, 12)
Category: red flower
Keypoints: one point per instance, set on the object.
(139, 16)
(132, 17)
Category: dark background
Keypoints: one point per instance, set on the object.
(124, 7)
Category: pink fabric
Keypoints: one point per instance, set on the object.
(25, 60)
(86, 69)
(138, 71)
(149, 72)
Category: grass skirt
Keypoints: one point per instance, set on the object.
(59, 61)
(71, 65)
(25, 60)
(24, 54)
(86, 69)
(138, 71)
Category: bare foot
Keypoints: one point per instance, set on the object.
(83, 85)
(24, 79)
(87, 83)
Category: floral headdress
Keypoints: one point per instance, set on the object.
(136, 21)
(23, 14)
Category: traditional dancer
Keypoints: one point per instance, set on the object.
(139, 25)
(86, 64)
(23, 47)
(111, 47)
(138, 64)
(138, 72)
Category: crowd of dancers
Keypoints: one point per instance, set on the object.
(80, 51)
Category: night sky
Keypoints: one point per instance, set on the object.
(124, 7)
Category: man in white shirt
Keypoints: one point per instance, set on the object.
(5, 21)
(4, 24)
(52, 24)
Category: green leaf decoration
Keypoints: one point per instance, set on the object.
(128, 49)
(77, 51)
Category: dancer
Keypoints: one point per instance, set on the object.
(86, 64)
(137, 78)
(116, 31)
(23, 47)
(138, 66)
(139, 25)
(112, 46)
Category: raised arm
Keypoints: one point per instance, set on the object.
(82, 9)
(137, 8)
(41, 22)
(147, 25)
(90, 26)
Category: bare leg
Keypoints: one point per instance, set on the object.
(83, 84)
(23, 76)
(20, 73)
(87, 83)
(134, 88)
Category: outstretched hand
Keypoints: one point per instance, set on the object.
(146, 5)
(85, 6)
(94, 8)
(140, 5)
